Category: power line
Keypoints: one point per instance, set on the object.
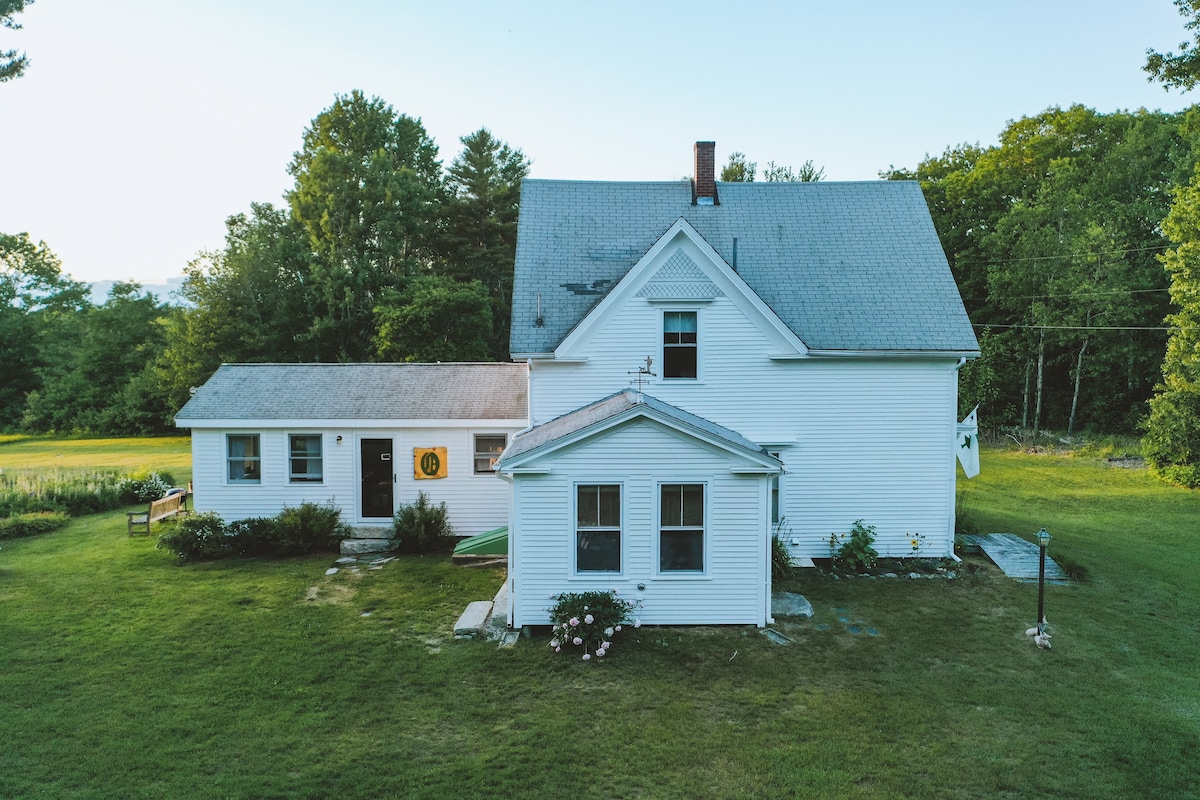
(1079, 327)
(1064, 255)
(1072, 296)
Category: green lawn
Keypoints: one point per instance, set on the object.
(125, 675)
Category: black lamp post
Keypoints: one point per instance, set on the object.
(1043, 540)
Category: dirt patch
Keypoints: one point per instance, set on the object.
(1127, 462)
(328, 594)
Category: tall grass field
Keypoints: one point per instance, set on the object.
(125, 674)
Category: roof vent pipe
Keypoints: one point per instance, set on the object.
(734, 265)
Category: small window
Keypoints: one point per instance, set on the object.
(244, 459)
(681, 528)
(488, 448)
(598, 528)
(679, 344)
(776, 512)
(306, 464)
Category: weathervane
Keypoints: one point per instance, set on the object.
(643, 374)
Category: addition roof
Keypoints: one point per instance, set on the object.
(623, 404)
(847, 266)
(361, 392)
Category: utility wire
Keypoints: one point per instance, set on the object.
(1065, 255)
(1069, 296)
(1079, 327)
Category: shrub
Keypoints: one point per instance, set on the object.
(781, 556)
(142, 485)
(29, 524)
(254, 536)
(196, 537)
(587, 622)
(422, 527)
(855, 550)
(73, 491)
(308, 528)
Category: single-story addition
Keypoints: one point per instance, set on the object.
(364, 437)
(683, 526)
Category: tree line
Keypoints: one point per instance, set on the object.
(381, 253)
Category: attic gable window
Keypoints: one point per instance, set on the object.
(680, 346)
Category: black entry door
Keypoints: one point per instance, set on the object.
(377, 477)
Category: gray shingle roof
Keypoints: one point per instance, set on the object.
(612, 406)
(361, 391)
(846, 266)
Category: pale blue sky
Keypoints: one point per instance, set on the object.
(142, 124)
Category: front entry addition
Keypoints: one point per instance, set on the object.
(378, 475)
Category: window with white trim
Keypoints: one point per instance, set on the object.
(488, 447)
(305, 461)
(680, 345)
(598, 527)
(776, 507)
(681, 527)
(244, 458)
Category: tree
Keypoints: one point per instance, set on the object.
(12, 64)
(479, 231)
(1172, 441)
(36, 300)
(247, 303)
(1051, 235)
(367, 187)
(739, 169)
(435, 319)
(1181, 70)
(109, 349)
(807, 173)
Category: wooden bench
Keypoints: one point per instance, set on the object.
(174, 503)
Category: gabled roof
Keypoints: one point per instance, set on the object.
(853, 266)
(616, 409)
(360, 392)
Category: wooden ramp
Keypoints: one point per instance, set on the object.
(1017, 557)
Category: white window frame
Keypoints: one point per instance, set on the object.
(663, 346)
(230, 459)
(705, 539)
(576, 528)
(476, 454)
(302, 478)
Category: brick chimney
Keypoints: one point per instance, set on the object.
(704, 187)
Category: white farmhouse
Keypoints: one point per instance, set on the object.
(709, 362)
(364, 437)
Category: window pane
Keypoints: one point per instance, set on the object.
(681, 551)
(243, 458)
(693, 505)
(598, 551)
(679, 322)
(487, 451)
(587, 507)
(679, 362)
(610, 506)
(671, 505)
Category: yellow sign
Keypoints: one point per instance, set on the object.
(429, 463)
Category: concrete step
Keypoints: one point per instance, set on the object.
(352, 547)
(470, 623)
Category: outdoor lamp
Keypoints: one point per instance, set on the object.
(1043, 539)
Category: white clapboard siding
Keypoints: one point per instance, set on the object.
(862, 438)
(640, 455)
(477, 503)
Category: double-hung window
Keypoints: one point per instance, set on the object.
(681, 527)
(598, 527)
(305, 460)
(488, 448)
(243, 457)
(680, 345)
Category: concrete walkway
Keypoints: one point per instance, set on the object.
(1017, 557)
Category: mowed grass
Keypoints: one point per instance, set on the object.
(170, 453)
(126, 675)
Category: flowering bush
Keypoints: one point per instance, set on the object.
(142, 486)
(588, 621)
